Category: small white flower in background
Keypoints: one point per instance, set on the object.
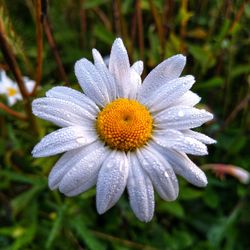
(10, 88)
(121, 133)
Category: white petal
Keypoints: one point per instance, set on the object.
(166, 71)
(138, 67)
(62, 112)
(83, 174)
(64, 139)
(181, 117)
(91, 82)
(174, 139)
(112, 180)
(188, 99)
(135, 83)
(160, 173)
(75, 97)
(63, 165)
(168, 93)
(140, 190)
(29, 84)
(199, 136)
(120, 68)
(107, 78)
(184, 167)
(12, 100)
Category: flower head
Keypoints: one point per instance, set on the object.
(10, 88)
(123, 133)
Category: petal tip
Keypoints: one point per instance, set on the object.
(100, 209)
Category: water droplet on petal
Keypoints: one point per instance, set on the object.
(166, 174)
(81, 140)
(180, 113)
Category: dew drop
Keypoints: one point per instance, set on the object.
(166, 174)
(180, 113)
(81, 140)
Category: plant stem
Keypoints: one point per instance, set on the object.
(117, 19)
(13, 66)
(39, 42)
(11, 61)
(12, 112)
(140, 28)
(52, 44)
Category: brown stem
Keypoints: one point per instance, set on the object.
(52, 44)
(167, 14)
(103, 17)
(133, 29)
(117, 19)
(140, 28)
(236, 110)
(13, 66)
(39, 42)
(12, 112)
(239, 14)
(11, 61)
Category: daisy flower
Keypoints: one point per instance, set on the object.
(10, 88)
(123, 133)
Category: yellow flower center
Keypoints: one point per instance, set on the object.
(124, 124)
(11, 91)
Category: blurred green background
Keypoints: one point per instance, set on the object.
(215, 37)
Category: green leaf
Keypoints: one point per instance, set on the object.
(190, 194)
(93, 3)
(24, 199)
(103, 34)
(29, 232)
(56, 226)
(211, 83)
(88, 238)
(173, 208)
(240, 69)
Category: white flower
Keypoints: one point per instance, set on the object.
(121, 133)
(10, 88)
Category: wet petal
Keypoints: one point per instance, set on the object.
(64, 139)
(63, 165)
(83, 174)
(199, 136)
(75, 97)
(112, 180)
(138, 67)
(120, 68)
(166, 71)
(168, 93)
(188, 99)
(106, 76)
(140, 190)
(91, 82)
(184, 167)
(160, 173)
(63, 112)
(176, 140)
(181, 117)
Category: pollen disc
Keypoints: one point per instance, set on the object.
(124, 124)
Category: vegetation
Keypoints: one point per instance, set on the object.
(43, 39)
